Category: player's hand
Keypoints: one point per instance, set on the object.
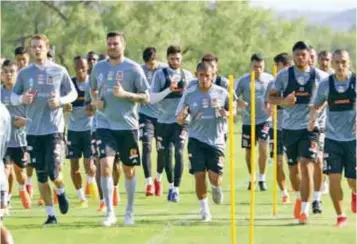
(90, 109)
(98, 104)
(118, 90)
(19, 122)
(311, 125)
(182, 115)
(290, 99)
(242, 104)
(68, 107)
(54, 101)
(173, 84)
(27, 97)
(222, 112)
(268, 110)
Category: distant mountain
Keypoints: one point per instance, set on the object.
(343, 20)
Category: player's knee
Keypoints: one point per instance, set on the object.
(42, 176)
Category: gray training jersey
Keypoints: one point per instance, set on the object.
(206, 125)
(79, 120)
(18, 135)
(118, 113)
(43, 81)
(280, 112)
(5, 131)
(296, 116)
(243, 90)
(168, 106)
(150, 110)
(339, 124)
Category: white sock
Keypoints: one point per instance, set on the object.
(305, 207)
(90, 179)
(261, 177)
(9, 196)
(50, 210)
(176, 189)
(284, 193)
(148, 181)
(158, 177)
(341, 215)
(80, 194)
(297, 195)
(204, 204)
(60, 191)
(171, 185)
(29, 181)
(21, 187)
(317, 196)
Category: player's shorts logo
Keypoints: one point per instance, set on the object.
(133, 153)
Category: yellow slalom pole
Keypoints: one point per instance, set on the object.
(275, 156)
(231, 161)
(252, 157)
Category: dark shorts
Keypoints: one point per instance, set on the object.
(147, 129)
(300, 144)
(261, 134)
(124, 142)
(46, 151)
(16, 155)
(79, 144)
(204, 157)
(94, 146)
(339, 156)
(280, 145)
(170, 133)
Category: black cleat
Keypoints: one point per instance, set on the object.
(262, 185)
(317, 207)
(51, 220)
(63, 203)
(249, 186)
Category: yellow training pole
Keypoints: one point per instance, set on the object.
(252, 157)
(231, 161)
(275, 156)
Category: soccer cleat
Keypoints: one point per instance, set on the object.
(317, 207)
(87, 190)
(63, 203)
(25, 199)
(109, 220)
(83, 204)
(93, 191)
(129, 218)
(51, 220)
(262, 185)
(158, 188)
(116, 197)
(102, 207)
(217, 195)
(169, 195)
(40, 202)
(206, 216)
(297, 208)
(149, 190)
(341, 222)
(55, 199)
(249, 186)
(303, 219)
(29, 190)
(285, 199)
(175, 197)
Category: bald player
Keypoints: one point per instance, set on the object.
(339, 91)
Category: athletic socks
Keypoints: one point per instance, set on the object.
(130, 186)
(108, 189)
(317, 196)
(80, 194)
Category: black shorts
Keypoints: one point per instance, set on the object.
(16, 155)
(46, 151)
(94, 146)
(261, 134)
(124, 142)
(280, 145)
(147, 129)
(79, 144)
(339, 156)
(204, 157)
(300, 144)
(170, 133)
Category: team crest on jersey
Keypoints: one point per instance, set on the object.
(340, 89)
(50, 80)
(119, 76)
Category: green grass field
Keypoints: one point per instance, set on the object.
(158, 221)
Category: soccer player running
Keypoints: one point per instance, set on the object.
(16, 156)
(207, 104)
(79, 133)
(282, 61)
(92, 59)
(22, 58)
(324, 61)
(44, 87)
(297, 85)
(118, 84)
(242, 89)
(339, 91)
(148, 125)
(171, 83)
